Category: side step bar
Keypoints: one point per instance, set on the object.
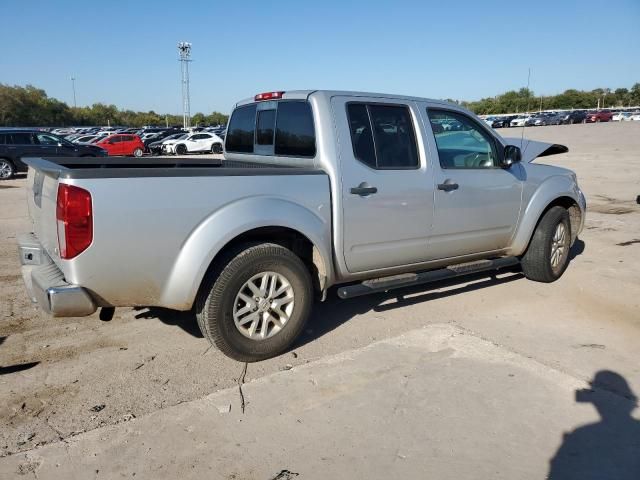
(385, 284)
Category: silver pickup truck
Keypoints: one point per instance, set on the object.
(369, 192)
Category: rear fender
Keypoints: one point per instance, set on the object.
(227, 223)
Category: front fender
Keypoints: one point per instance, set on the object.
(547, 192)
(227, 223)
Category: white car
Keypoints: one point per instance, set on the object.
(622, 117)
(635, 117)
(520, 120)
(198, 142)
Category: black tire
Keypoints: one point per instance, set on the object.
(537, 260)
(215, 301)
(7, 169)
(138, 152)
(216, 148)
(181, 149)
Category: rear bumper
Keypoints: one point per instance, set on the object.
(46, 285)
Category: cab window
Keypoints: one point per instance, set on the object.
(382, 136)
(465, 146)
(44, 139)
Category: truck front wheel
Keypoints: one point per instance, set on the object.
(256, 302)
(547, 257)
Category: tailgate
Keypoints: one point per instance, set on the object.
(42, 193)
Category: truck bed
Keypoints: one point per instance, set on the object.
(158, 221)
(126, 167)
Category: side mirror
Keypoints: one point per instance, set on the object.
(512, 154)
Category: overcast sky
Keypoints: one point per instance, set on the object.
(124, 52)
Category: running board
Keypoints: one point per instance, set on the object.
(385, 284)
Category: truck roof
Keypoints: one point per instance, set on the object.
(305, 94)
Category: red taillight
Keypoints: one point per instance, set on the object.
(268, 96)
(75, 220)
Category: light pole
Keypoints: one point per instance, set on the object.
(184, 48)
(73, 86)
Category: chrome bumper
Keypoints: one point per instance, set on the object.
(46, 285)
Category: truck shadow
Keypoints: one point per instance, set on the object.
(184, 320)
(332, 313)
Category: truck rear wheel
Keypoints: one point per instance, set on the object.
(547, 257)
(256, 302)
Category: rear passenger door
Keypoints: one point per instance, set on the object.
(387, 191)
(22, 144)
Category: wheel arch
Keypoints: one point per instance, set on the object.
(556, 191)
(297, 228)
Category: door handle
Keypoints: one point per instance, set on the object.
(447, 187)
(363, 189)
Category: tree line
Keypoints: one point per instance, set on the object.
(32, 107)
(524, 100)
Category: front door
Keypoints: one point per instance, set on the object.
(477, 202)
(49, 145)
(386, 187)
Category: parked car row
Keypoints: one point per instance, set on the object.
(16, 144)
(559, 118)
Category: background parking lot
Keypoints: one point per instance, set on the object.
(61, 377)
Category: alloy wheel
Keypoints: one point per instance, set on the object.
(263, 305)
(559, 247)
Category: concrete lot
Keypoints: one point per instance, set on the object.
(468, 419)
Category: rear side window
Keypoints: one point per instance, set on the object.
(361, 134)
(295, 135)
(289, 128)
(241, 129)
(21, 139)
(382, 136)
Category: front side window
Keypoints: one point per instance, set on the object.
(241, 129)
(44, 139)
(382, 136)
(468, 146)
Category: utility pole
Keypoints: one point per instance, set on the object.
(73, 86)
(184, 48)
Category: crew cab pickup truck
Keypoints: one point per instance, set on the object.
(366, 192)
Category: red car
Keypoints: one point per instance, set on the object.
(122, 145)
(599, 116)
